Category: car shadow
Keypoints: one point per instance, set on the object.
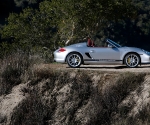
(100, 67)
(108, 67)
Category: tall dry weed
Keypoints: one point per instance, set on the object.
(14, 69)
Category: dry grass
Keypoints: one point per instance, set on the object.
(69, 97)
(14, 69)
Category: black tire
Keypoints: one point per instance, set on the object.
(74, 60)
(132, 60)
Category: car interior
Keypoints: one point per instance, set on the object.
(90, 43)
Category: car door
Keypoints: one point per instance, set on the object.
(105, 54)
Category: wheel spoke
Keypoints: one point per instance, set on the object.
(132, 60)
(74, 60)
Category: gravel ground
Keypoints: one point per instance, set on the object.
(110, 68)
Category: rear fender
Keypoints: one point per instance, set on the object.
(75, 52)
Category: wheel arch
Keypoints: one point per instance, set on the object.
(74, 52)
(130, 53)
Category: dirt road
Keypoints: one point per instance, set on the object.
(110, 68)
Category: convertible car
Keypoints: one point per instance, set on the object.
(87, 53)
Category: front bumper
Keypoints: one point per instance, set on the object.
(145, 59)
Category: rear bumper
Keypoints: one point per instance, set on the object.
(59, 60)
(60, 57)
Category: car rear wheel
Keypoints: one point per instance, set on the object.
(132, 60)
(74, 60)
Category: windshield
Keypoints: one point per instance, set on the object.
(113, 43)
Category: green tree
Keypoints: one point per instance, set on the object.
(29, 27)
(21, 3)
(61, 20)
(131, 31)
(76, 18)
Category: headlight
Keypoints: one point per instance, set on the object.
(146, 52)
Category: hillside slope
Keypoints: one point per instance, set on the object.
(55, 97)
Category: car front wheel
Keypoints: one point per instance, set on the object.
(132, 60)
(74, 60)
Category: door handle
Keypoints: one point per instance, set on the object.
(91, 51)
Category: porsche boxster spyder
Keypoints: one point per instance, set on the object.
(87, 53)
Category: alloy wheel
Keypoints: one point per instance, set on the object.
(74, 60)
(132, 60)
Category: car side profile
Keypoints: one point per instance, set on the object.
(112, 53)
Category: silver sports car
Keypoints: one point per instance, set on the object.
(87, 53)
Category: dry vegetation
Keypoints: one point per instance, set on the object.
(35, 94)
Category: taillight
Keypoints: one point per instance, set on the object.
(61, 50)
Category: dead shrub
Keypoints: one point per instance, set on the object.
(114, 93)
(14, 69)
(126, 83)
(30, 112)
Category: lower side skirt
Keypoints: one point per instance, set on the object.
(94, 61)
